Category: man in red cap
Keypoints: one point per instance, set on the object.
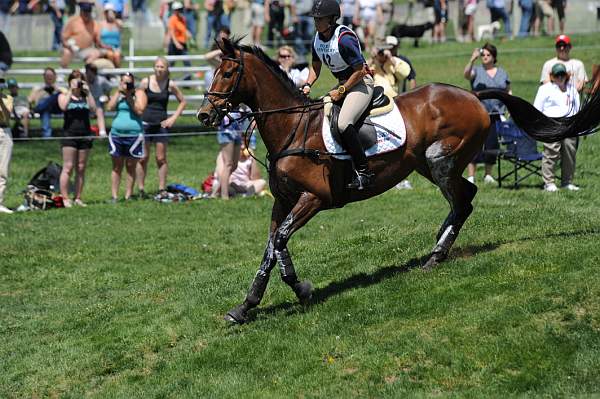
(575, 67)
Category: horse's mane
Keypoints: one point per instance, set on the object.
(272, 65)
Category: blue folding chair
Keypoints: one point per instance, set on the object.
(518, 149)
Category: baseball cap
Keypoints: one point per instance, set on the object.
(85, 6)
(391, 41)
(12, 82)
(559, 69)
(109, 7)
(563, 39)
(177, 5)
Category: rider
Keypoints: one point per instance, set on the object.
(337, 47)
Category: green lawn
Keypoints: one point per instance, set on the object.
(127, 300)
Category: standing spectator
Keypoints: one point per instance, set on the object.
(157, 123)
(259, 15)
(558, 6)
(99, 89)
(45, 100)
(178, 33)
(304, 27)
(440, 9)
(56, 9)
(80, 35)
(498, 12)
(367, 15)
(277, 19)
(110, 35)
(574, 66)
(6, 58)
(470, 10)
(348, 8)
(20, 108)
(164, 12)
(487, 76)
(190, 12)
(126, 139)
(6, 143)
(5, 15)
(526, 15)
(558, 98)
(138, 6)
(229, 137)
(543, 9)
(286, 57)
(76, 103)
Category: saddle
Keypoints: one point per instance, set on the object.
(380, 104)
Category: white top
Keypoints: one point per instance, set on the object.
(329, 51)
(298, 76)
(554, 102)
(574, 67)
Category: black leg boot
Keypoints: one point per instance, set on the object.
(364, 177)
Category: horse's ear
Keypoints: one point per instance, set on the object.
(228, 48)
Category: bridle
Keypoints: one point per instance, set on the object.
(227, 96)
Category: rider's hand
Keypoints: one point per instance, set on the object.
(306, 89)
(335, 95)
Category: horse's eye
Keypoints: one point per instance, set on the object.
(227, 75)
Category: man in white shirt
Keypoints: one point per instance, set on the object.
(558, 98)
(575, 68)
(6, 144)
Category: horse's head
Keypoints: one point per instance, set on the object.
(223, 94)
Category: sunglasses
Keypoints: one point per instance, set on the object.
(285, 56)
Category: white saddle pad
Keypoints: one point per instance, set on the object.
(386, 142)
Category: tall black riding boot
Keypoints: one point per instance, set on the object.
(363, 177)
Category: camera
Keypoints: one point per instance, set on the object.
(380, 52)
(129, 85)
(480, 51)
(49, 90)
(79, 84)
(3, 84)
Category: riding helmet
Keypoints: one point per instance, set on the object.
(325, 8)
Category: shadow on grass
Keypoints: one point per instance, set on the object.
(361, 280)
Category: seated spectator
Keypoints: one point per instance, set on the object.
(21, 109)
(118, 6)
(126, 140)
(100, 89)
(286, 57)
(80, 35)
(45, 100)
(5, 54)
(77, 104)
(110, 35)
(246, 179)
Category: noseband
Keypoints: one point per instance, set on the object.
(222, 112)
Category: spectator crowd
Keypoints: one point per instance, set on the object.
(92, 34)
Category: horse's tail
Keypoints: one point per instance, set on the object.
(544, 128)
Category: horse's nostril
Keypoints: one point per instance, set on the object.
(202, 116)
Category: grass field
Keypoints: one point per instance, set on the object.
(127, 300)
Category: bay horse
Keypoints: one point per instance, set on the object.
(446, 126)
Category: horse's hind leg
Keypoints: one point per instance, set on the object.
(276, 251)
(446, 172)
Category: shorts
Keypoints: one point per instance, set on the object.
(440, 15)
(258, 14)
(368, 15)
(20, 111)
(155, 133)
(470, 9)
(228, 136)
(84, 53)
(79, 144)
(559, 6)
(545, 8)
(126, 146)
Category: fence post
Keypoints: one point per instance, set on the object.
(131, 53)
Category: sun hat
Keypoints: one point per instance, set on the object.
(177, 5)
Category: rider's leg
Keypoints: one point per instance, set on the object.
(356, 102)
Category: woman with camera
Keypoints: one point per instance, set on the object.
(76, 104)
(487, 76)
(126, 139)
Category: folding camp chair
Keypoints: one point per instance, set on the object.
(518, 149)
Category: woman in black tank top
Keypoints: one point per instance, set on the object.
(76, 103)
(156, 121)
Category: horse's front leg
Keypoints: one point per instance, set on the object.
(281, 231)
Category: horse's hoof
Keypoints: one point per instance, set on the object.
(235, 316)
(304, 292)
(434, 260)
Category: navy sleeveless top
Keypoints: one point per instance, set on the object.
(77, 118)
(156, 110)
